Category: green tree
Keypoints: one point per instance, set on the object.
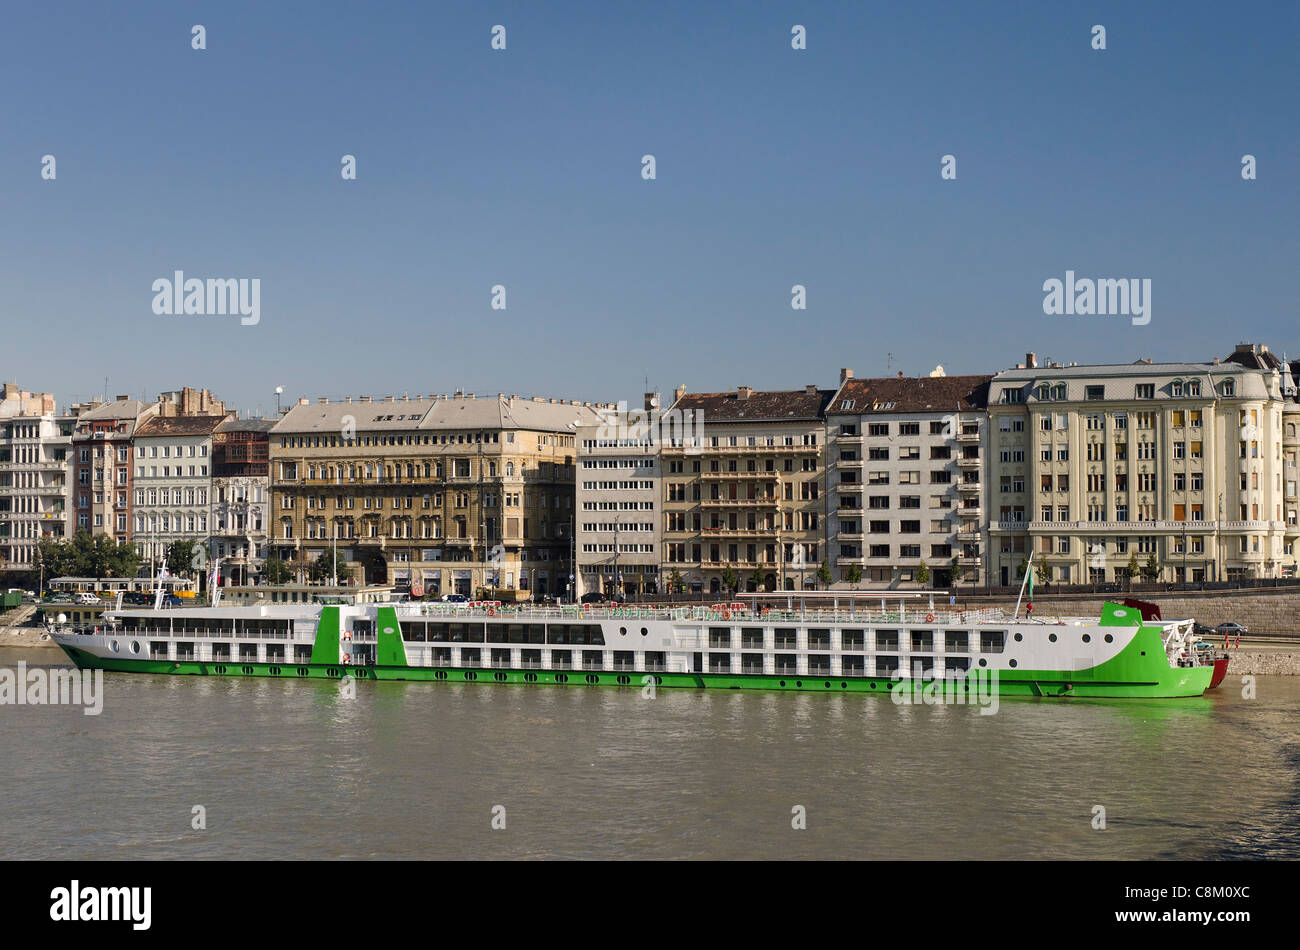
(179, 558)
(57, 558)
(824, 573)
(1021, 568)
(1151, 570)
(675, 582)
(276, 571)
(854, 575)
(1044, 571)
(954, 571)
(323, 569)
(922, 574)
(730, 579)
(1132, 570)
(756, 579)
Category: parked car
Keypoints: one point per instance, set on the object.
(59, 598)
(455, 598)
(594, 597)
(1230, 629)
(136, 598)
(86, 598)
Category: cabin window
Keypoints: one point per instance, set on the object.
(751, 638)
(993, 641)
(819, 664)
(819, 639)
(720, 638)
(719, 663)
(852, 640)
(785, 663)
(887, 641)
(561, 659)
(886, 665)
(854, 665)
(922, 640)
(593, 659)
(955, 641)
(656, 661)
(785, 638)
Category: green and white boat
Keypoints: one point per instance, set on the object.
(819, 643)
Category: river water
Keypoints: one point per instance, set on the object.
(292, 769)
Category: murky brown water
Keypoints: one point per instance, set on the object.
(290, 769)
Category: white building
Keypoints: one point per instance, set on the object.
(35, 486)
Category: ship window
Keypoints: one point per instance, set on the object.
(854, 666)
(852, 640)
(993, 641)
(819, 639)
(719, 663)
(955, 641)
(887, 640)
(785, 663)
(922, 640)
(719, 638)
(751, 638)
(785, 638)
(886, 665)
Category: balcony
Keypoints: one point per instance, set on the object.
(969, 488)
(772, 476)
(969, 463)
(967, 438)
(765, 501)
(970, 512)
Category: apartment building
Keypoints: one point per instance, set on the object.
(1092, 467)
(747, 491)
(172, 484)
(436, 494)
(35, 499)
(907, 480)
(101, 449)
(619, 532)
(240, 498)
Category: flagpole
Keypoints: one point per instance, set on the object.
(1029, 570)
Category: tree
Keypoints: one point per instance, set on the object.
(675, 581)
(730, 579)
(1022, 567)
(88, 555)
(1151, 570)
(276, 571)
(756, 579)
(954, 571)
(1132, 570)
(56, 556)
(922, 574)
(853, 575)
(179, 558)
(1044, 571)
(326, 566)
(824, 573)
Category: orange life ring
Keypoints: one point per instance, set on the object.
(347, 635)
(492, 611)
(929, 618)
(726, 615)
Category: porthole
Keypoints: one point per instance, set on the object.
(499, 677)
(644, 632)
(1013, 663)
(873, 685)
(828, 684)
(623, 680)
(1087, 638)
(247, 670)
(471, 675)
(1019, 637)
(561, 677)
(1051, 637)
(1109, 639)
(530, 677)
(440, 675)
(798, 684)
(783, 682)
(112, 645)
(659, 680)
(844, 686)
(592, 678)
(622, 631)
(135, 646)
(983, 662)
(275, 671)
(219, 669)
(302, 671)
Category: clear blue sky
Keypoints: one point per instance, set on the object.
(522, 168)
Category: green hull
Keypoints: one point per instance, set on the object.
(1135, 673)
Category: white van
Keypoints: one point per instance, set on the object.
(85, 597)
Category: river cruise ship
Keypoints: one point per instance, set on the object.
(819, 643)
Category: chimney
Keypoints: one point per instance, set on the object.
(900, 374)
(363, 398)
(1215, 361)
(744, 392)
(810, 390)
(1031, 361)
(679, 392)
(389, 399)
(121, 398)
(323, 400)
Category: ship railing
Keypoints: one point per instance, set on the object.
(918, 614)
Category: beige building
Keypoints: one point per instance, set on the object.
(436, 495)
(35, 491)
(1093, 467)
(746, 491)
